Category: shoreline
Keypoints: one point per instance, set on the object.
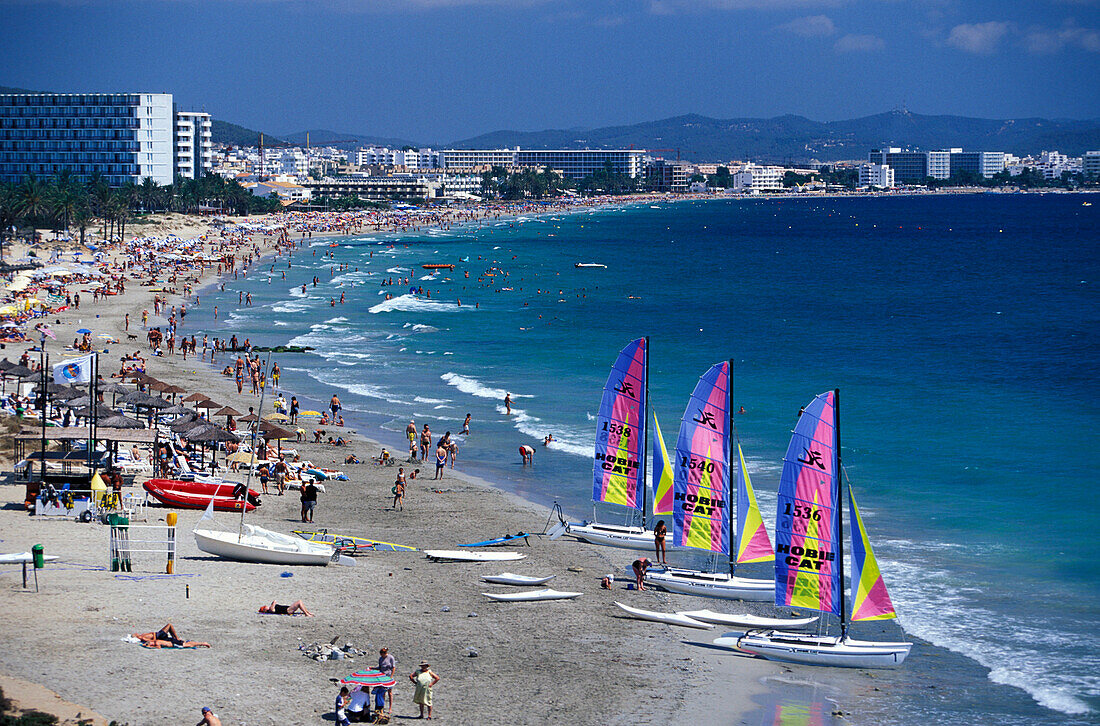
(513, 633)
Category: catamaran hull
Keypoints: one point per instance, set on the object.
(610, 535)
(263, 549)
(823, 650)
(707, 584)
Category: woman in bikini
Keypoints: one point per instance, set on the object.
(292, 609)
(167, 637)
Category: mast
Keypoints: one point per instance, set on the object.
(839, 513)
(45, 402)
(644, 444)
(255, 431)
(729, 467)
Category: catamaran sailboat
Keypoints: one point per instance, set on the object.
(809, 572)
(619, 464)
(702, 488)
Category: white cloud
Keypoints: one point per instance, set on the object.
(982, 38)
(1043, 40)
(810, 26)
(860, 43)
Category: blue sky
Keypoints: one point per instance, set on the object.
(440, 70)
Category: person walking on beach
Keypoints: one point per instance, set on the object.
(466, 426)
(281, 470)
(309, 501)
(528, 454)
(293, 409)
(275, 373)
(507, 404)
(425, 442)
(334, 404)
(424, 680)
(410, 433)
(659, 533)
(399, 489)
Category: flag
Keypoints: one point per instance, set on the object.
(75, 370)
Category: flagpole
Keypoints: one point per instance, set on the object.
(45, 364)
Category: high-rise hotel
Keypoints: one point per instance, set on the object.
(123, 136)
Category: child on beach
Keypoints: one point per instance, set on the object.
(399, 489)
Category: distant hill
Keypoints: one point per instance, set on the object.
(223, 132)
(795, 138)
(340, 139)
(9, 89)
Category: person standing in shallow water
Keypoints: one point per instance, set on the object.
(507, 404)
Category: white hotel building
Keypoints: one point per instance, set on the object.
(194, 150)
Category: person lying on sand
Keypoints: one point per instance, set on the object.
(167, 637)
(292, 609)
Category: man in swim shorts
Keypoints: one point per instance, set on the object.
(292, 609)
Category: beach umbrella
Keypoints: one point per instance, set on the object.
(173, 390)
(101, 411)
(5, 364)
(239, 457)
(111, 387)
(228, 411)
(208, 404)
(176, 410)
(250, 418)
(276, 417)
(19, 371)
(83, 331)
(158, 386)
(55, 389)
(310, 412)
(121, 422)
(370, 678)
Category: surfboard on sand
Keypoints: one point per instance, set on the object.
(500, 540)
(508, 578)
(531, 595)
(667, 618)
(461, 556)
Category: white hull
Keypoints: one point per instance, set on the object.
(823, 650)
(667, 618)
(461, 556)
(747, 621)
(536, 596)
(507, 578)
(712, 584)
(263, 545)
(612, 535)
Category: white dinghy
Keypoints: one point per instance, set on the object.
(711, 584)
(831, 650)
(256, 544)
(507, 578)
(531, 596)
(467, 556)
(667, 618)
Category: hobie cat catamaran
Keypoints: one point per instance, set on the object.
(809, 569)
(618, 470)
(702, 485)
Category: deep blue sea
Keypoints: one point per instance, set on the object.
(961, 330)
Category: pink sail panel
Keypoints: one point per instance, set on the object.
(753, 544)
(616, 468)
(701, 506)
(807, 541)
(662, 473)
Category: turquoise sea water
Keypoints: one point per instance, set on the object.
(961, 330)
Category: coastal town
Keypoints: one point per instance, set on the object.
(517, 397)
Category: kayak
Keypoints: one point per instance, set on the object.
(531, 596)
(666, 618)
(197, 495)
(460, 556)
(507, 578)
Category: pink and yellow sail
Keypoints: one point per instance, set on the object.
(753, 544)
(870, 600)
(617, 474)
(662, 473)
(701, 507)
(807, 534)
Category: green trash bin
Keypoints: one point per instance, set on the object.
(39, 554)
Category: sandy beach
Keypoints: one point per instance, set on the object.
(572, 661)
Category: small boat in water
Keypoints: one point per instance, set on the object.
(589, 264)
(438, 266)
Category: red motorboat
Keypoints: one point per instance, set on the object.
(196, 495)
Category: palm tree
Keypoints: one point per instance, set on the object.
(8, 211)
(150, 193)
(34, 199)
